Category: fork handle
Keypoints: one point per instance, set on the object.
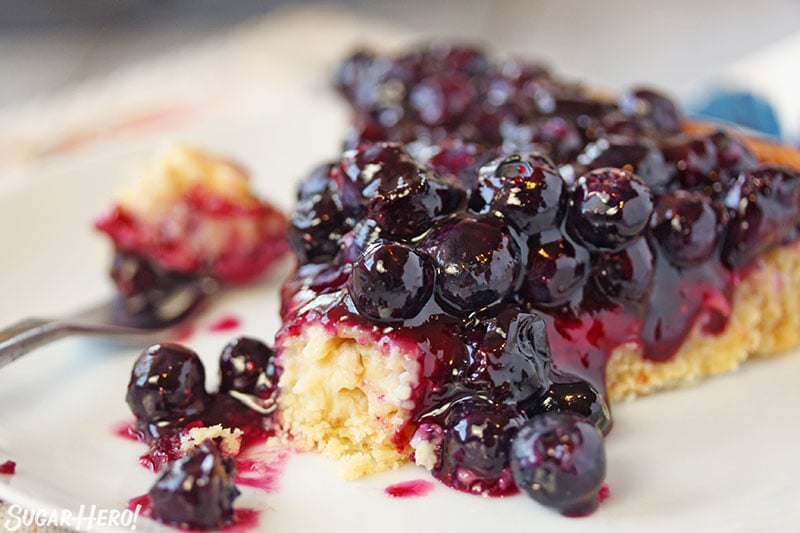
(22, 337)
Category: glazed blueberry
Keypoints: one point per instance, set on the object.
(475, 442)
(687, 227)
(525, 188)
(626, 276)
(408, 201)
(609, 208)
(733, 158)
(146, 291)
(559, 460)
(362, 169)
(196, 491)
(571, 394)
(657, 108)
(391, 282)
(510, 355)
(763, 205)
(477, 263)
(248, 366)
(461, 159)
(442, 99)
(356, 241)
(317, 226)
(132, 274)
(167, 384)
(557, 268)
(317, 182)
(693, 160)
(640, 155)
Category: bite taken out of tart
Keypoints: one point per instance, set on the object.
(192, 214)
(499, 252)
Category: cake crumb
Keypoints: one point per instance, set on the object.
(230, 440)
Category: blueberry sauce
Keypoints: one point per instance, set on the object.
(415, 488)
(225, 324)
(263, 474)
(511, 230)
(8, 468)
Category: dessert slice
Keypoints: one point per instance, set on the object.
(497, 243)
(193, 213)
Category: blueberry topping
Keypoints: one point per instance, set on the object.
(525, 189)
(391, 282)
(627, 276)
(408, 200)
(477, 263)
(356, 241)
(196, 491)
(167, 384)
(510, 355)
(318, 223)
(557, 269)
(558, 459)
(248, 366)
(640, 156)
(568, 393)
(361, 171)
(609, 208)
(474, 450)
(441, 99)
(659, 110)
(763, 205)
(317, 182)
(693, 160)
(687, 227)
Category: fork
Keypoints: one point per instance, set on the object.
(126, 318)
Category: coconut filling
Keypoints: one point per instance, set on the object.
(348, 394)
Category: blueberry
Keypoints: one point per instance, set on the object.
(558, 459)
(659, 110)
(763, 205)
(317, 225)
(733, 158)
(474, 450)
(525, 188)
(356, 241)
(510, 355)
(456, 157)
(693, 160)
(167, 384)
(248, 366)
(442, 99)
(477, 263)
(362, 169)
(557, 268)
(627, 276)
(132, 274)
(687, 227)
(409, 199)
(568, 393)
(639, 155)
(145, 290)
(391, 282)
(196, 491)
(609, 208)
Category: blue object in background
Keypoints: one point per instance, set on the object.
(742, 108)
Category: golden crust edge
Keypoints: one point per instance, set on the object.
(764, 321)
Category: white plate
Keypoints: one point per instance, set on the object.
(721, 456)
